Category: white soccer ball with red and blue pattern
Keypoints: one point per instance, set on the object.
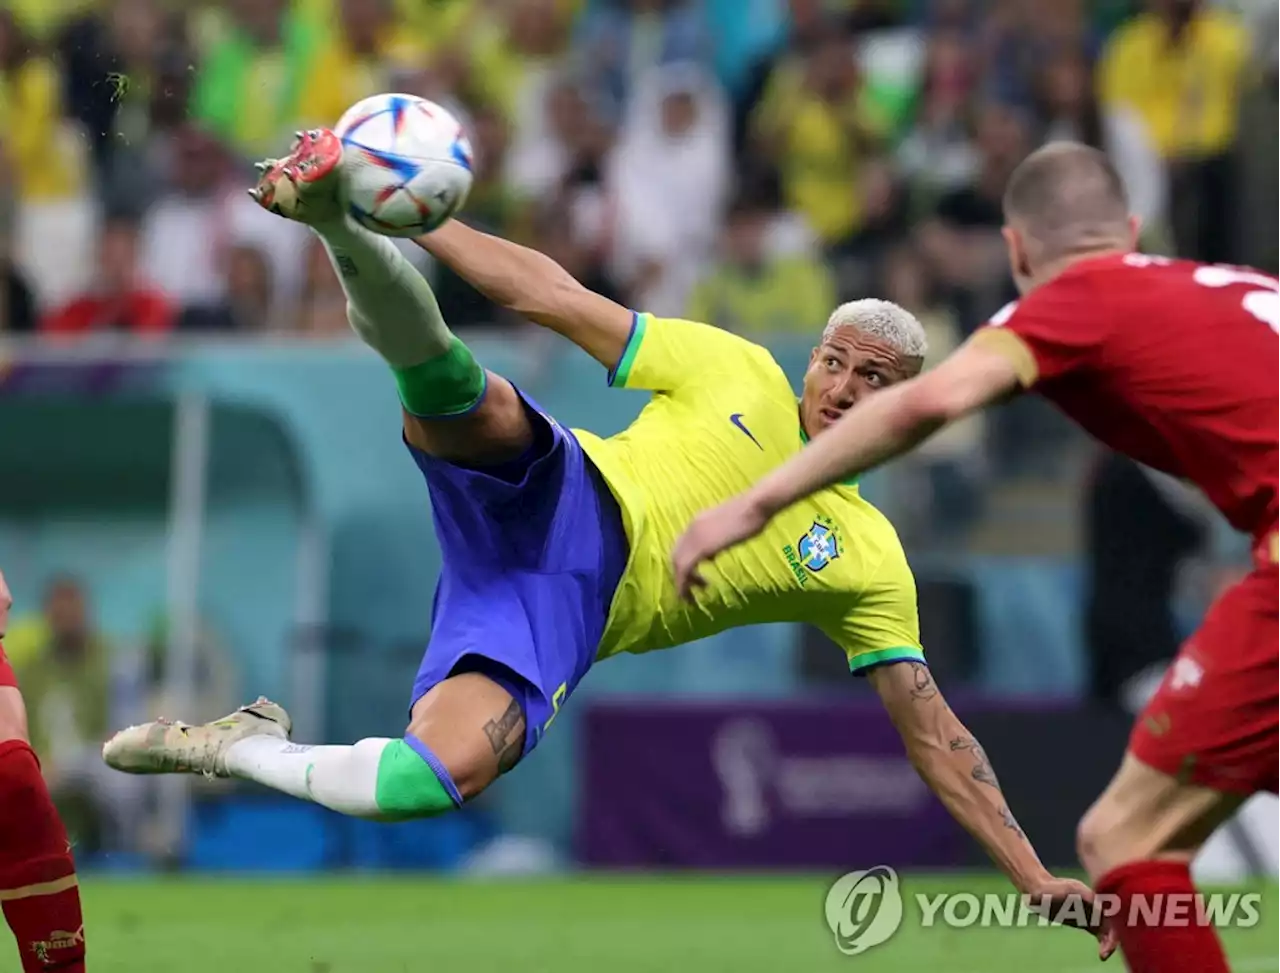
(406, 164)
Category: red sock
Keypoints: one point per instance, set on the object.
(38, 890)
(1158, 946)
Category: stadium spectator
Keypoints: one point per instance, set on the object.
(937, 154)
(366, 51)
(620, 40)
(189, 230)
(31, 118)
(1140, 528)
(819, 124)
(940, 484)
(492, 206)
(962, 240)
(184, 229)
(248, 307)
(46, 163)
(322, 310)
(112, 58)
(252, 76)
(120, 300)
(572, 222)
(1017, 36)
(1069, 111)
(64, 665)
(668, 181)
(17, 302)
(524, 70)
(806, 22)
(1180, 65)
(754, 292)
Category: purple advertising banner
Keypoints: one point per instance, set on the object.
(755, 785)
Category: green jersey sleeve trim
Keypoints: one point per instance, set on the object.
(859, 665)
(622, 370)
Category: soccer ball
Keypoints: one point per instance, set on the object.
(406, 164)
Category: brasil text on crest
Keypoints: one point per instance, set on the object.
(816, 548)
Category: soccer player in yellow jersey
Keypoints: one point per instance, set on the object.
(556, 542)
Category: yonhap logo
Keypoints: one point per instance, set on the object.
(864, 909)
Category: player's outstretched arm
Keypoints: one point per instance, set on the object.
(956, 768)
(534, 285)
(874, 431)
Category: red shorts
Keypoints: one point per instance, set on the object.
(1213, 721)
(7, 676)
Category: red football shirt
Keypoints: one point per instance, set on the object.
(1170, 362)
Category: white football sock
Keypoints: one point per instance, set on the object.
(389, 304)
(341, 777)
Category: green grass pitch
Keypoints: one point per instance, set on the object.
(592, 924)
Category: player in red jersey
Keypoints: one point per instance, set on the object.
(1175, 364)
(39, 893)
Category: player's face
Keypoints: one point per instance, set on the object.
(847, 366)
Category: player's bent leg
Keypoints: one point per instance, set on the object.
(464, 733)
(1137, 843)
(1145, 814)
(475, 728)
(1205, 741)
(39, 891)
(455, 410)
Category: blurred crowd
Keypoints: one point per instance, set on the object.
(746, 162)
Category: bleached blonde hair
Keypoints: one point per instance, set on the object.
(895, 326)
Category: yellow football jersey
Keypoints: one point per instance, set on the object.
(723, 414)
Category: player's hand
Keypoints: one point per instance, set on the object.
(1072, 903)
(710, 533)
(6, 602)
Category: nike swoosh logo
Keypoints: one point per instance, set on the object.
(736, 419)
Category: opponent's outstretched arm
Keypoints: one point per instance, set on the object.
(534, 285)
(956, 768)
(877, 429)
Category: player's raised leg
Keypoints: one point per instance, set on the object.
(39, 892)
(454, 409)
(466, 726)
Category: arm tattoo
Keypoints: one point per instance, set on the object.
(1009, 822)
(500, 729)
(982, 770)
(923, 687)
(511, 755)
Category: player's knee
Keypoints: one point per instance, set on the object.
(413, 782)
(464, 767)
(1109, 835)
(1091, 839)
(496, 430)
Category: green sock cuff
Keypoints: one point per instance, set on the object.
(447, 385)
(408, 786)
